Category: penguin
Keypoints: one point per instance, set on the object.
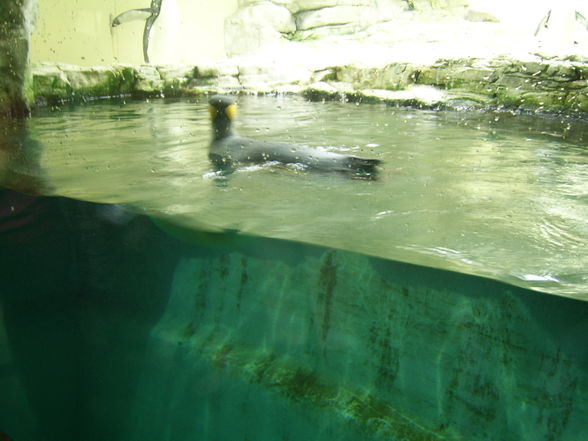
(228, 150)
(148, 14)
(563, 24)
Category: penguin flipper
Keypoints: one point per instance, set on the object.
(543, 23)
(582, 20)
(131, 15)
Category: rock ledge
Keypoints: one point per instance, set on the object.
(541, 85)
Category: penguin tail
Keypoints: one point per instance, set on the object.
(362, 166)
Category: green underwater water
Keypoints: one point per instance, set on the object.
(492, 194)
(134, 335)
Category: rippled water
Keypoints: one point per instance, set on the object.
(498, 195)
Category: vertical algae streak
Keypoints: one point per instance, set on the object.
(327, 282)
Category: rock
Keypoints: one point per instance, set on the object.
(214, 70)
(417, 96)
(99, 81)
(532, 67)
(480, 16)
(215, 77)
(326, 31)
(148, 80)
(577, 101)
(335, 16)
(223, 84)
(268, 76)
(423, 5)
(173, 80)
(15, 29)
(324, 75)
(175, 73)
(322, 90)
(390, 77)
(50, 83)
(563, 72)
(577, 85)
(257, 25)
(513, 81)
(513, 98)
(296, 6)
(323, 87)
(461, 101)
(123, 79)
(460, 84)
(82, 78)
(451, 75)
(64, 82)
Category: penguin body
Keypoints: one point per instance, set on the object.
(562, 26)
(148, 14)
(228, 149)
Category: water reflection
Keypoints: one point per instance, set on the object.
(495, 194)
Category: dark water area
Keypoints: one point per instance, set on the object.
(498, 195)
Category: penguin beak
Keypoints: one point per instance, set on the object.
(213, 111)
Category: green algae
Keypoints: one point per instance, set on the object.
(50, 89)
(56, 85)
(327, 282)
(307, 387)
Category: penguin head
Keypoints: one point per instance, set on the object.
(223, 111)
(222, 107)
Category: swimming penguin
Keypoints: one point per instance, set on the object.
(228, 149)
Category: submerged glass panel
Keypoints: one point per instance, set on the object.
(145, 296)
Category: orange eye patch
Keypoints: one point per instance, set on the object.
(231, 111)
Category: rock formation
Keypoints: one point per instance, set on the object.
(16, 17)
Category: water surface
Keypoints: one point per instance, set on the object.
(493, 194)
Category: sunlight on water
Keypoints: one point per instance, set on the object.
(498, 195)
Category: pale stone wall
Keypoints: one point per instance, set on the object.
(261, 23)
(80, 32)
(455, 53)
(556, 25)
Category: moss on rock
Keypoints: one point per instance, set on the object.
(55, 84)
(532, 85)
(50, 85)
